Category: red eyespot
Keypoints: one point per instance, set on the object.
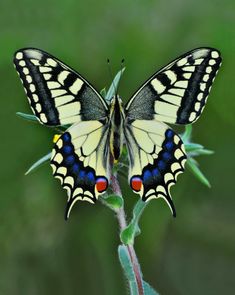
(136, 183)
(101, 184)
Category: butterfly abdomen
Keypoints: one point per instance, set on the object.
(116, 133)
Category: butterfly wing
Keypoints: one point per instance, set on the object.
(178, 92)
(80, 159)
(56, 93)
(156, 158)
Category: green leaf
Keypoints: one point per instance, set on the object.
(191, 147)
(113, 201)
(148, 290)
(128, 235)
(39, 163)
(113, 87)
(187, 133)
(103, 92)
(128, 269)
(27, 116)
(192, 165)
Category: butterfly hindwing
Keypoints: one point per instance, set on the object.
(156, 156)
(80, 160)
(57, 94)
(178, 92)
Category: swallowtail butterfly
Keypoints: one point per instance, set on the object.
(81, 156)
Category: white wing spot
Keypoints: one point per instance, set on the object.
(19, 55)
(171, 75)
(25, 71)
(200, 96)
(53, 85)
(35, 97)
(187, 75)
(197, 106)
(62, 76)
(208, 70)
(38, 107)
(43, 118)
(59, 92)
(212, 62)
(206, 77)
(32, 88)
(181, 84)
(192, 116)
(47, 76)
(158, 86)
(189, 69)
(44, 69)
(51, 62)
(35, 62)
(76, 86)
(177, 91)
(214, 54)
(182, 62)
(203, 86)
(22, 63)
(29, 78)
(198, 61)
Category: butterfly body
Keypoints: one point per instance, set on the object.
(82, 155)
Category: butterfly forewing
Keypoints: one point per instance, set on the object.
(157, 157)
(178, 92)
(80, 160)
(57, 94)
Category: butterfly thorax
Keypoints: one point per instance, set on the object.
(116, 130)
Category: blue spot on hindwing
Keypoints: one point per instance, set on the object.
(67, 149)
(66, 137)
(166, 156)
(169, 146)
(69, 160)
(161, 165)
(90, 178)
(75, 168)
(169, 133)
(147, 176)
(81, 174)
(156, 172)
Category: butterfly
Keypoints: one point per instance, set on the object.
(81, 157)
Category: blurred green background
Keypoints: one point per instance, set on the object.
(40, 253)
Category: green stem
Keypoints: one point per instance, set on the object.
(121, 216)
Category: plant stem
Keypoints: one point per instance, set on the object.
(121, 216)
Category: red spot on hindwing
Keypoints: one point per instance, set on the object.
(136, 183)
(101, 184)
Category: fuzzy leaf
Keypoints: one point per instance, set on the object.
(38, 163)
(27, 116)
(187, 133)
(128, 235)
(113, 87)
(148, 290)
(191, 163)
(103, 92)
(128, 269)
(113, 201)
(192, 147)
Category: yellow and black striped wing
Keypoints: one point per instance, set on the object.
(80, 160)
(57, 94)
(156, 158)
(178, 92)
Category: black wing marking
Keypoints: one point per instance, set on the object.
(178, 92)
(57, 94)
(80, 160)
(156, 156)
